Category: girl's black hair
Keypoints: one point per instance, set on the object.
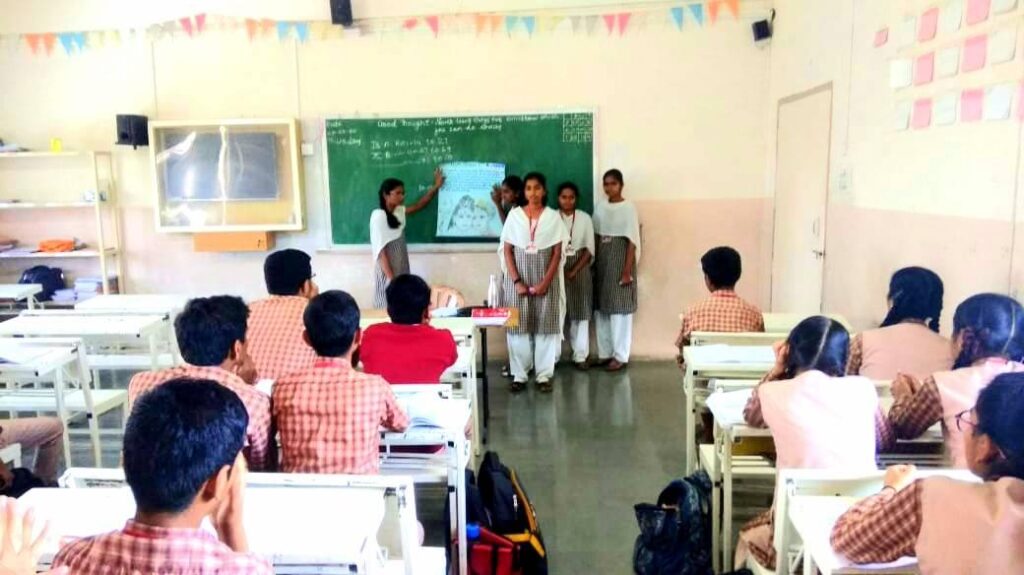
(571, 187)
(539, 177)
(518, 187)
(385, 188)
(818, 343)
(616, 174)
(989, 325)
(916, 293)
(999, 411)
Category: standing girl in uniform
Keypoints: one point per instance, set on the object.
(531, 257)
(508, 196)
(988, 341)
(618, 251)
(579, 289)
(387, 233)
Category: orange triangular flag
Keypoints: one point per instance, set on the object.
(734, 7)
(496, 21)
(250, 28)
(266, 25)
(479, 23)
(33, 42)
(49, 40)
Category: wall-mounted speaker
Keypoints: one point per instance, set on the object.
(763, 28)
(132, 130)
(341, 12)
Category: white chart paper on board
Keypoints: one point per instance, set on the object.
(901, 73)
(1002, 45)
(906, 32)
(944, 111)
(950, 16)
(947, 62)
(998, 101)
(464, 208)
(901, 120)
(1003, 6)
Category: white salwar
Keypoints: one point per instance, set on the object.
(615, 331)
(581, 237)
(538, 352)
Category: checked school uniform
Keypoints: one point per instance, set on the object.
(391, 241)
(579, 292)
(617, 226)
(274, 338)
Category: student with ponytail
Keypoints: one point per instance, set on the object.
(387, 233)
(951, 526)
(908, 340)
(988, 341)
(819, 417)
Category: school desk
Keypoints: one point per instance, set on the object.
(26, 362)
(21, 292)
(717, 361)
(785, 322)
(284, 520)
(100, 331)
(146, 303)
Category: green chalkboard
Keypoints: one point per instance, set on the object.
(361, 153)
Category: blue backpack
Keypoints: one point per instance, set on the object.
(52, 279)
(675, 534)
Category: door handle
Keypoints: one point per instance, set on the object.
(818, 253)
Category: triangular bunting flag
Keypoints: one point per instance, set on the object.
(698, 13)
(67, 40)
(623, 19)
(677, 16)
(95, 39)
(713, 7)
(435, 24)
(577, 23)
(496, 22)
(186, 25)
(265, 25)
(49, 41)
(79, 40)
(531, 23)
(320, 29)
(200, 22)
(33, 42)
(112, 38)
(551, 23)
(609, 22)
(251, 26)
(734, 7)
(282, 30)
(591, 22)
(410, 23)
(479, 23)
(302, 31)
(510, 23)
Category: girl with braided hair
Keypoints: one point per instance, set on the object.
(988, 341)
(908, 340)
(952, 526)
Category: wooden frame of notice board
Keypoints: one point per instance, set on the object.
(443, 247)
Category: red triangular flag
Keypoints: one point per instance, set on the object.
(200, 22)
(49, 40)
(609, 22)
(186, 25)
(434, 24)
(250, 28)
(410, 23)
(623, 22)
(33, 42)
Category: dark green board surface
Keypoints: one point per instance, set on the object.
(361, 153)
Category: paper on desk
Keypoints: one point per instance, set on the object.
(727, 406)
(736, 354)
(429, 411)
(12, 352)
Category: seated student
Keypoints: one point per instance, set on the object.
(211, 338)
(408, 350)
(44, 434)
(724, 311)
(951, 526)
(819, 417)
(176, 487)
(329, 414)
(908, 340)
(988, 340)
(275, 326)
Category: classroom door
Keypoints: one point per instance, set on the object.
(803, 139)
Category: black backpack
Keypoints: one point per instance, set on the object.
(675, 534)
(52, 279)
(511, 513)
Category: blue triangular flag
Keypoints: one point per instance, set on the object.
(79, 38)
(531, 23)
(698, 13)
(510, 23)
(302, 31)
(282, 30)
(67, 40)
(677, 16)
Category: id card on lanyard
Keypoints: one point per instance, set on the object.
(531, 248)
(570, 250)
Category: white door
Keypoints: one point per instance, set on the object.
(801, 197)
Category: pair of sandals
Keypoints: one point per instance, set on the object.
(544, 386)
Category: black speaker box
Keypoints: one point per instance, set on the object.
(341, 12)
(132, 130)
(762, 30)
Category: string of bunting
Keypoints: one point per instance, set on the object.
(681, 17)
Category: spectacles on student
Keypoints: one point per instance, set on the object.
(963, 420)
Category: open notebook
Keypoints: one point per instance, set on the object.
(427, 410)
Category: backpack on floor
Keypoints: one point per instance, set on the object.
(511, 513)
(675, 534)
(492, 554)
(52, 279)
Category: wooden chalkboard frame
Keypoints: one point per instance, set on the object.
(461, 247)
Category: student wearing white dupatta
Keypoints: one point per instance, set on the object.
(579, 283)
(532, 255)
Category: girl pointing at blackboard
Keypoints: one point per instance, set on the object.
(387, 232)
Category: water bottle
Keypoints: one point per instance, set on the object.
(472, 532)
(492, 292)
